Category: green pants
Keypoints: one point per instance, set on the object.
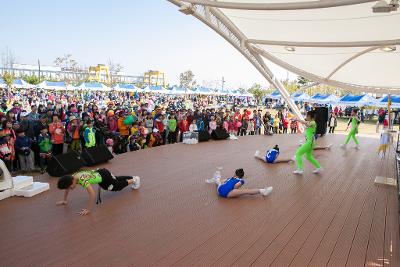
(307, 149)
(352, 134)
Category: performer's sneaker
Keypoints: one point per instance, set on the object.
(136, 184)
(257, 153)
(210, 181)
(329, 146)
(266, 191)
(317, 170)
(298, 172)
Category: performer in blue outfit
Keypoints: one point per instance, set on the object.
(231, 187)
(271, 156)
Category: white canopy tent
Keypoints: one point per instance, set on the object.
(342, 43)
(58, 86)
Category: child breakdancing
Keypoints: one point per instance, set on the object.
(231, 187)
(271, 156)
(103, 177)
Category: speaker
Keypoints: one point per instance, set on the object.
(64, 164)
(219, 134)
(321, 118)
(204, 136)
(96, 155)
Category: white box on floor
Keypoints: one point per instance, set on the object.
(31, 190)
(22, 181)
(6, 193)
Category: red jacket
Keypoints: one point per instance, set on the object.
(183, 126)
(160, 126)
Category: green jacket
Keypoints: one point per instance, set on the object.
(44, 143)
(172, 125)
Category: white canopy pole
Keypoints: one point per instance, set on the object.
(279, 6)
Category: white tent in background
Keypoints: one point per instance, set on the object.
(358, 100)
(158, 90)
(146, 89)
(324, 99)
(300, 96)
(274, 95)
(94, 87)
(58, 86)
(126, 88)
(245, 94)
(21, 84)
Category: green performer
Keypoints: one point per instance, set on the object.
(354, 121)
(308, 145)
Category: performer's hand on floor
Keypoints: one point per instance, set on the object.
(60, 203)
(84, 212)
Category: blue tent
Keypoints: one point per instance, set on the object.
(300, 96)
(176, 90)
(324, 99)
(203, 91)
(157, 89)
(47, 85)
(358, 100)
(383, 102)
(93, 87)
(274, 95)
(21, 84)
(127, 88)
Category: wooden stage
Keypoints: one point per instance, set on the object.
(337, 218)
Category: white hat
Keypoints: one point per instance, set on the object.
(155, 130)
(24, 113)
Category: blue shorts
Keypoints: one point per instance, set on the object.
(225, 188)
(271, 156)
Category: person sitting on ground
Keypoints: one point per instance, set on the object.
(103, 177)
(271, 156)
(231, 187)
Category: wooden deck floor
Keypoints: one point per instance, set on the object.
(337, 218)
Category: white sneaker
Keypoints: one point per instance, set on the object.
(343, 146)
(257, 154)
(317, 170)
(136, 184)
(329, 146)
(266, 191)
(210, 181)
(298, 172)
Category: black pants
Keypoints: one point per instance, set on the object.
(58, 149)
(172, 137)
(113, 183)
(331, 129)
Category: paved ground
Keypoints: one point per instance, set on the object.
(337, 218)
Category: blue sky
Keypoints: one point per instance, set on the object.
(139, 34)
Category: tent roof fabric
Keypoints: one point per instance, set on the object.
(340, 43)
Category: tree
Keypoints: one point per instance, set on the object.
(66, 62)
(114, 69)
(32, 79)
(291, 87)
(8, 78)
(301, 81)
(257, 92)
(187, 79)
